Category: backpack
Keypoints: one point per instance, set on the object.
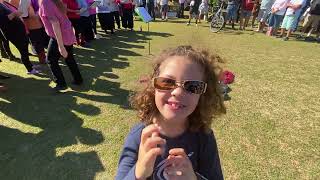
(315, 7)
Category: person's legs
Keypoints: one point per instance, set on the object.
(117, 18)
(53, 60)
(291, 25)
(197, 17)
(93, 20)
(5, 48)
(284, 25)
(76, 26)
(20, 40)
(130, 19)
(36, 41)
(72, 65)
(125, 18)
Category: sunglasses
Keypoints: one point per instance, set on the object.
(191, 86)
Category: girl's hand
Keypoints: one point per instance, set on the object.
(151, 146)
(63, 51)
(179, 166)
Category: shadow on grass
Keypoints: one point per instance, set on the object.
(33, 155)
(54, 119)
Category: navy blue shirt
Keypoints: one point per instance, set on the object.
(200, 147)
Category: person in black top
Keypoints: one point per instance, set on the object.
(9, 23)
(194, 10)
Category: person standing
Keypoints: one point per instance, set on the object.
(53, 14)
(194, 11)
(14, 30)
(265, 10)
(181, 9)
(151, 4)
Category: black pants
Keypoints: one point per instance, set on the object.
(53, 59)
(15, 32)
(127, 19)
(181, 11)
(76, 25)
(116, 18)
(151, 10)
(86, 28)
(4, 46)
(39, 39)
(93, 19)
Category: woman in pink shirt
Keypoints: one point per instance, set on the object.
(53, 14)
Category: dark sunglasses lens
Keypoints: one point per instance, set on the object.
(195, 87)
(164, 83)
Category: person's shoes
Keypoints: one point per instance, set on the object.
(188, 24)
(98, 36)
(85, 45)
(33, 71)
(309, 38)
(59, 88)
(3, 88)
(4, 77)
(37, 67)
(196, 25)
(285, 39)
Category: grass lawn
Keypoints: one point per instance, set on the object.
(271, 129)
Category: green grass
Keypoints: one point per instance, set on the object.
(271, 129)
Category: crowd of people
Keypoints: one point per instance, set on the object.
(35, 22)
(56, 25)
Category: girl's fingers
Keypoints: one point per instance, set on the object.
(152, 154)
(176, 161)
(154, 142)
(147, 132)
(178, 152)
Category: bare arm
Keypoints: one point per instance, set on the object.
(57, 32)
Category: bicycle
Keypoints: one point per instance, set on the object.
(217, 19)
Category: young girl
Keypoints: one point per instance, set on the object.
(176, 108)
(53, 14)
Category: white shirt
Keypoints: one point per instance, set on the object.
(291, 11)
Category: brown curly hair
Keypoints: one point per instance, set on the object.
(211, 102)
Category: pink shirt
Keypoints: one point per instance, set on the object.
(91, 10)
(48, 10)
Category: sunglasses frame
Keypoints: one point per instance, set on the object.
(180, 84)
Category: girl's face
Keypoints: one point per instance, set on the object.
(176, 105)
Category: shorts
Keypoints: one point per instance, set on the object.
(232, 12)
(193, 10)
(203, 9)
(263, 15)
(289, 22)
(164, 8)
(275, 20)
(246, 14)
(313, 20)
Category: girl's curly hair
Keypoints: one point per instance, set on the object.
(211, 102)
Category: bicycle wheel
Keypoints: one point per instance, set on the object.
(216, 23)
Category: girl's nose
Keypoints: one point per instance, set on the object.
(178, 91)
